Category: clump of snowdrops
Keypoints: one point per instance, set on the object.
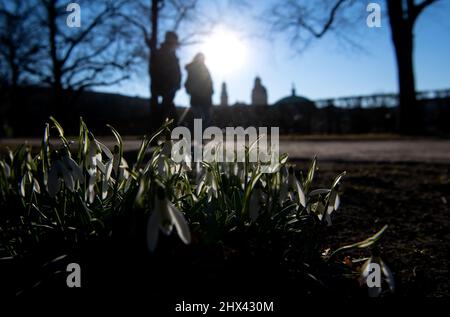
(73, 191)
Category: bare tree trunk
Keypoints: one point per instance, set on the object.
(403, 40)
(14, 95)
(409, 109)
(57, 89)
(153, 43)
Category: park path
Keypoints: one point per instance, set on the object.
(401, 150)
(426, 151)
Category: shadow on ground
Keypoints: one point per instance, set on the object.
(413, 199)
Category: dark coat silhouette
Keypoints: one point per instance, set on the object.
(199, 83)
(166, 75)
(200, 87)
(167, 71)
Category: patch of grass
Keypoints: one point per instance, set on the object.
(68, 198)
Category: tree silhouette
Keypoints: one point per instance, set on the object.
(306, 22)
(402, 17)
(38, 47)
(150, 19)
(91, 56)
(19, 52)
(18, 42)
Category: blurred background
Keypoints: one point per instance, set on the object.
(365, 85)
(322, 68)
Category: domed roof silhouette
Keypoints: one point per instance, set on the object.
(295, 113)
(294, 100)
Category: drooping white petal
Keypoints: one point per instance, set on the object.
(105, 149)
(36, 186)
(122, 169)
(200, 185)
(104, 188)
(22, 186)
(92, 157)
(372, 291)
(389, 277)
(180, 224)
(106, 177)
(91, 192)
(101, 166)
(7, 169)
(319, 209)
(337, 202)
(301, 193)
(108, 170)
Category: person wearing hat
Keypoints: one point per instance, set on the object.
(167, 75)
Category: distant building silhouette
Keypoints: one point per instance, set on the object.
(296, 112)
(294, 100)
(259, 93)
(224, 95)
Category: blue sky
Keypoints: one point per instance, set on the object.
(326, 69)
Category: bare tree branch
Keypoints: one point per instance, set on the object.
(416, 9)
(327, 24)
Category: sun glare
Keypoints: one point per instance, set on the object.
(224, 52)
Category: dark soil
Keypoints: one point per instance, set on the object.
(413, 200)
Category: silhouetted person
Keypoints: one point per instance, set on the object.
(167, 75)
(199, 85)
(259, 93)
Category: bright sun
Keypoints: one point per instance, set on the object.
(224, 52)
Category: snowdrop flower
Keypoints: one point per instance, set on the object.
(269, 162)
(291, 187)
(28, 178)
(6, 169)
(164, 217)
(209, 183)
(120, 168)
(106, 170)
(64, 170)
(386, 276)
(94, 156)
(163, 163)
(94, 162)
(318, 208)
(182, 162)
(333, 202)
(295, 186)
